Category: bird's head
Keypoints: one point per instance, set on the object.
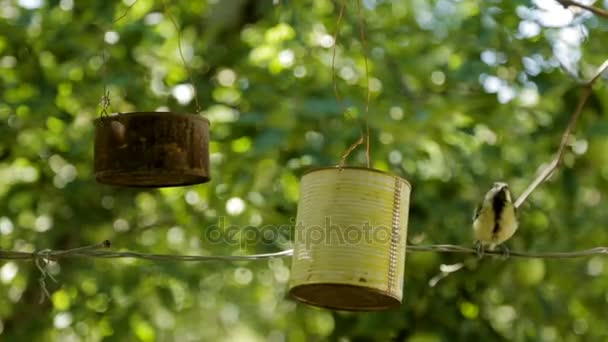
(499, 189)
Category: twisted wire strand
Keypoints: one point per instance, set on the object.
(100, 251)
(43, 258)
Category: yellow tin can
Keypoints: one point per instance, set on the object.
(350, 239)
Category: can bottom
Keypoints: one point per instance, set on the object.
(344, 297)
(152, 178)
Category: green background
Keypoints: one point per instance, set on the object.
(463, 93)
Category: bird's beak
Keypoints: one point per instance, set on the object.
(504, 188)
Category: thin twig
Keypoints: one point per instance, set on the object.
(125, 12)
(555, 163)
(595, 10)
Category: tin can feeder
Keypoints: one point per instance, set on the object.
(152, 149)
(350, 239)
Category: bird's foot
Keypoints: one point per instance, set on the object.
(505, 252)
(479, 249)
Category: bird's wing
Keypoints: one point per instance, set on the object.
(477, 211)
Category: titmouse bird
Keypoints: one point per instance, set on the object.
(495, 219)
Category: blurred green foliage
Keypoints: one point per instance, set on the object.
(464, 93)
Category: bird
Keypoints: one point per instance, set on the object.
(495, 219)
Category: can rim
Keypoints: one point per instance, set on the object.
(133, 114)
(359, 168)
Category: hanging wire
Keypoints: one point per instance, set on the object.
(105, 97)
(362, 136)
(368, 95)
(333, 57)
(41, 263)
(181, 54)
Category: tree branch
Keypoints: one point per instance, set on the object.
(556, 162)
(595, 10)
